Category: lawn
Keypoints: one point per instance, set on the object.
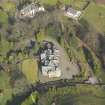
(83, 99)
(30, 70)
(5, 87)
(4, 46)
(41, 37)
(77, 3)
(3, 17)
(50, 2)
(79, 95)
(31, 100)
(95, 15)
(8, 6)
(89, 100)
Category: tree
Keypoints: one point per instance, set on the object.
(11, 20)
(54, 30)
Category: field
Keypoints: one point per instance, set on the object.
(31, 100)
(80, 100)
(51, 2)
(8, 6)
(5, 88)
(3, 17)
(77, 3)
(95, 15)
(79, 95)
(30, 70)
(4, 46)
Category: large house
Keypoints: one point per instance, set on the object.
(72, 13)
(30, 10)
(49, 57)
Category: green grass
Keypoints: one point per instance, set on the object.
(80, 95)
(50, 2)
(77, 3)
(5, 87)
(95, 15)
(41, 36)
(8, 6)
(83, 99)
(32, 99)
(4, 46)
(3, 17)
(30, 70)
(76, 53)
(89, 100)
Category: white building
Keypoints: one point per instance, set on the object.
(31, 10)
(43, 56)
(92, 80)
(57, 73)
(72, 13)
(50, 63)
(50, 71)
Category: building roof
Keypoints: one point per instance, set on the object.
(50, 62)
(31, 10)
(70, 12)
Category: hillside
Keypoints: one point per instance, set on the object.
(49, 42)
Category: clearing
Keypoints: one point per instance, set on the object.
(8, 6)
(95, 15)
(75, 3)
(30, 70)
(3, 17)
